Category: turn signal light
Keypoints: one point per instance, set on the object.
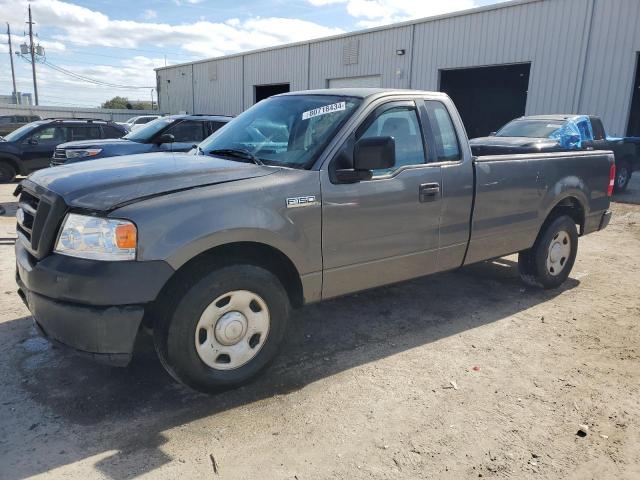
(126, 236)
(612, 179)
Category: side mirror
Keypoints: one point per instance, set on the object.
(32, 141)
(166, 138)
(373, 153)
(493, 134)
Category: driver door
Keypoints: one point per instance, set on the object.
(385, 229)
(38, 148)
(186, 134)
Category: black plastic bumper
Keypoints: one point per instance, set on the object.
(94, 307)
(606, 218)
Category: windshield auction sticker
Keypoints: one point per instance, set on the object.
(334, 107)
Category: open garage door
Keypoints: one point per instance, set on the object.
(487, 97)
(348, 82)
(634, 114)
(266, 91)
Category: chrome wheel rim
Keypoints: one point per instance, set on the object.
(622, 176)
(558, 253)
(232, 330)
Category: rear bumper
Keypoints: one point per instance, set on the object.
(93, 307)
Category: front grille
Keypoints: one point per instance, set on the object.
(59, 156)
(28, 204)
(39, 216)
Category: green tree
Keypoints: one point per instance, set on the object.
(117, 102)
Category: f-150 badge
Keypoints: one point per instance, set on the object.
(308, 200)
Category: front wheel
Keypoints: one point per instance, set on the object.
(224, 328)
(549, 262)
(7, 172)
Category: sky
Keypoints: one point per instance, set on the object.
(120, 42)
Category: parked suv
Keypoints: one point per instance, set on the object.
(30, 147)
(175, 133)
(9, 123)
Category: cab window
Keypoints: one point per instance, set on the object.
(402, 124)
(445, 138)
(50, 135)
(187, 131)
(84, 132)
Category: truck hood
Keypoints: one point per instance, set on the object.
(95, 143)
(504, 145)
(109, 183)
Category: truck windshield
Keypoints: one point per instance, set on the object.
(144, 134)
(289, 131)
(530, 128)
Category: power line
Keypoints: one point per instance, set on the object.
(78, 76)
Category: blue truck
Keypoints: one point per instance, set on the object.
(557, 133)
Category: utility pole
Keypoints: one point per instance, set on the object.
(32, 49)
(13, 72)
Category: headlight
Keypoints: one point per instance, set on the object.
(85, 152)
(97, 238)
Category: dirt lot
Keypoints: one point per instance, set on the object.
(363, 388)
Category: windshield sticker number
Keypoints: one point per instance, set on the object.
(334, 107)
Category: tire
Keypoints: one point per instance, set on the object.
(549, 262)
(195, 338)
(623, 175)
(7, 172)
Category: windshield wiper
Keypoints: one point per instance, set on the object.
(237, 153)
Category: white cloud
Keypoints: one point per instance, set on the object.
(382, 12)
(80, 25)
(149, 14)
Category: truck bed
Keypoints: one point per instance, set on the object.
(515, 193)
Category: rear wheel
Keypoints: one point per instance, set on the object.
(549, 262)
(7, 172)
(224, 328)
(623, 175)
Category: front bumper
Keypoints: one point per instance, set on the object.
(91, 306)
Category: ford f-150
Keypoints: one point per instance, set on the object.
(303, 197)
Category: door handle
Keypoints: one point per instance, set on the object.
(428, 191)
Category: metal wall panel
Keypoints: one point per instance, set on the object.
(217, 86)
(281, 65)
(611, 63)
(176, 89)
(376, 56)
(547, 33)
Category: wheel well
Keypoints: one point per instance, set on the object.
(252, 253)
(10, 161)
(571, 207)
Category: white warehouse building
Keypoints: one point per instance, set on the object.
(522, 57)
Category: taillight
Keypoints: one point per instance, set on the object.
(612, 179)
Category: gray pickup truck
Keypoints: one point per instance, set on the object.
(303, 197)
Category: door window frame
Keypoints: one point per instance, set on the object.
(368, 120)
(431, 141)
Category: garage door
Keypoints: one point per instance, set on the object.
(487, 97)
(370, 81)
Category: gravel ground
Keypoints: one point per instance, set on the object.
(457, 375)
